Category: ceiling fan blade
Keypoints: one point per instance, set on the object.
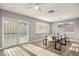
(34, 6)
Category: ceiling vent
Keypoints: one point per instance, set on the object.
(51, 11)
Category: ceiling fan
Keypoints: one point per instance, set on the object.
(35, 6)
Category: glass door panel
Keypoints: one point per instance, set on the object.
(14, 32)
(23, 31)
(10, 32)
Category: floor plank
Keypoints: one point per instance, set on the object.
(16, 51)
(6, 53)
(9, 52)
(18, 54)
(13, 52)
(24, 53)
(38, 51)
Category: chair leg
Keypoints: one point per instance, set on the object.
(68, 39)
(64, 41)
(59, 46)
(44, 41)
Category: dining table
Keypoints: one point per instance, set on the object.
(58, 39)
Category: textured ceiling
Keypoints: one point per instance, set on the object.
(62, 11)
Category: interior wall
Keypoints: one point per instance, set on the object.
(32, 24)
(73, 35)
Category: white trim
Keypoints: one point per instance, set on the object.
(2, 32)
(36, 40)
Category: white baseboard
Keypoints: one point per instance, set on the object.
(36, 40)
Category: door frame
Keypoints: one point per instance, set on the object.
(2, 32)
(27, 30)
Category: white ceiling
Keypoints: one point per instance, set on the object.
(63, 10)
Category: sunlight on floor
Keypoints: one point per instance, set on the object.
(16, 51)
(38, 51)
(74, 47)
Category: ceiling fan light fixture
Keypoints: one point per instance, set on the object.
(36, 7)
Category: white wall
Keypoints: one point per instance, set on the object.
(32, 24)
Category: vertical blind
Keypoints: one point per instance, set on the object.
(14, 32)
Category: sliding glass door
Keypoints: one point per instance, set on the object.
(23, 31)
(14, 32)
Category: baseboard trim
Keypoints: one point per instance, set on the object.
(20, 44)
(35, 40)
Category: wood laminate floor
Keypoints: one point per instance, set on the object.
(71, 49)
(38, 49)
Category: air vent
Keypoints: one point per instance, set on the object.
(51, 11)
